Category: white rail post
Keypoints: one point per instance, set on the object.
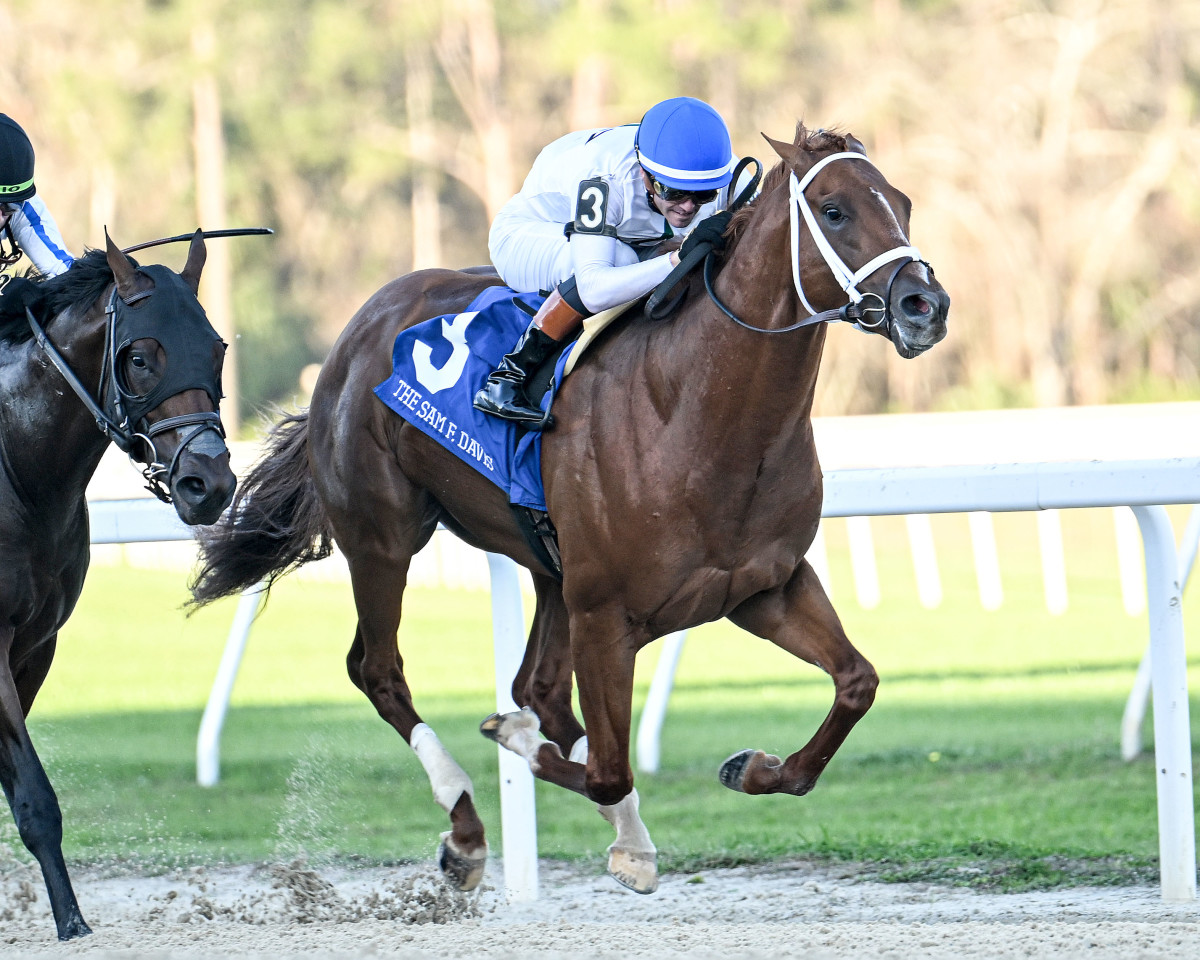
(518, 812)
(987, 561)
(208, 741)
(1135, 710)
(818, 559)
(1172, 731)
(654, 712)
(1133, 583)
(1139, 695)
(862, 561)
(924, 555)
(1054, 565)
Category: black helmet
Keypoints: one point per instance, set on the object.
(16, 162)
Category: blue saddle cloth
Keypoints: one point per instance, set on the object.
(437, 368)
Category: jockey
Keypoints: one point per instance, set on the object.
(595, 203)
(24, 219)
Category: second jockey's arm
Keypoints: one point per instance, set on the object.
(603, 284)
(39, 238)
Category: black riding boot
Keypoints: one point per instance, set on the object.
(504, 393)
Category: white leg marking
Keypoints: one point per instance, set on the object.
(448, 779)
(632, 856)
(632, 834)
(632, 859)
(518, 732)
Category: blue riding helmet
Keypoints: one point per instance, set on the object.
(16, 162)
(684, 143)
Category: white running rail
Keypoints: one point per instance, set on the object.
(1143, 485)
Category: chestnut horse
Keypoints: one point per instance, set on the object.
(143, 337)
(681, 475)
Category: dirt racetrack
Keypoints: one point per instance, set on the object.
(793, 909)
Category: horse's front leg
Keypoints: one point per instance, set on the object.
(799, 618)
(34, 805)
(601, 773)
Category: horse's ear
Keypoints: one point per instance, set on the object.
(124, 272)
(787, 151)
(853, 143)
(197, 254)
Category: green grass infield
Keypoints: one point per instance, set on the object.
(990, 757)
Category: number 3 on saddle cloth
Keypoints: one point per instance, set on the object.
(437, 368)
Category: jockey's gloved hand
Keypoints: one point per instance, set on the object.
(710, 230)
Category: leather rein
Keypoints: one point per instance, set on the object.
(854, 311)
(113, 419)
(117, 426)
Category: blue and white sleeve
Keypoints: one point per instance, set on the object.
(38, 236)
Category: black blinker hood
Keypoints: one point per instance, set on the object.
(173, 316)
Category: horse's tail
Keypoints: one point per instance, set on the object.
(276, 522)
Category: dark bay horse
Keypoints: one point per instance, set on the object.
(681, 476)
(142, 337)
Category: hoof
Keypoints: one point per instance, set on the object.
(637, 871)
(733, 770)
(490, 727)
(752, 771)
(75, 927)
(461, 871)
(517, 732)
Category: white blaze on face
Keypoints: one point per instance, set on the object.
(898, 231)
(448, 779)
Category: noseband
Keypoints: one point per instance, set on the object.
(855, 311)
(122, 417)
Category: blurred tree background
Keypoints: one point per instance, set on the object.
(1049, 147)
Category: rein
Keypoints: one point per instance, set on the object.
(852, 312)
(655, 308)
(117, 426)
(115, 433)
(114, 418)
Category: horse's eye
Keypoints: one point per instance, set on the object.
(138, 361)
(832, 215)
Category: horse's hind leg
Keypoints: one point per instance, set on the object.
(379, 561)
(544, 681)
(543, 689)
(27, 788)
(799, 618)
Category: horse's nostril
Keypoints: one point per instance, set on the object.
(918, 306)
(191, 488)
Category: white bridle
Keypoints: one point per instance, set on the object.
(846, 278)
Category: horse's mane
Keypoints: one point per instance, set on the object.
(813, 141)
(81, 285)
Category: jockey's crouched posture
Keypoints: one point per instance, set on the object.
(594, 203)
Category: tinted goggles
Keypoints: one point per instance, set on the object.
(675, 195)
